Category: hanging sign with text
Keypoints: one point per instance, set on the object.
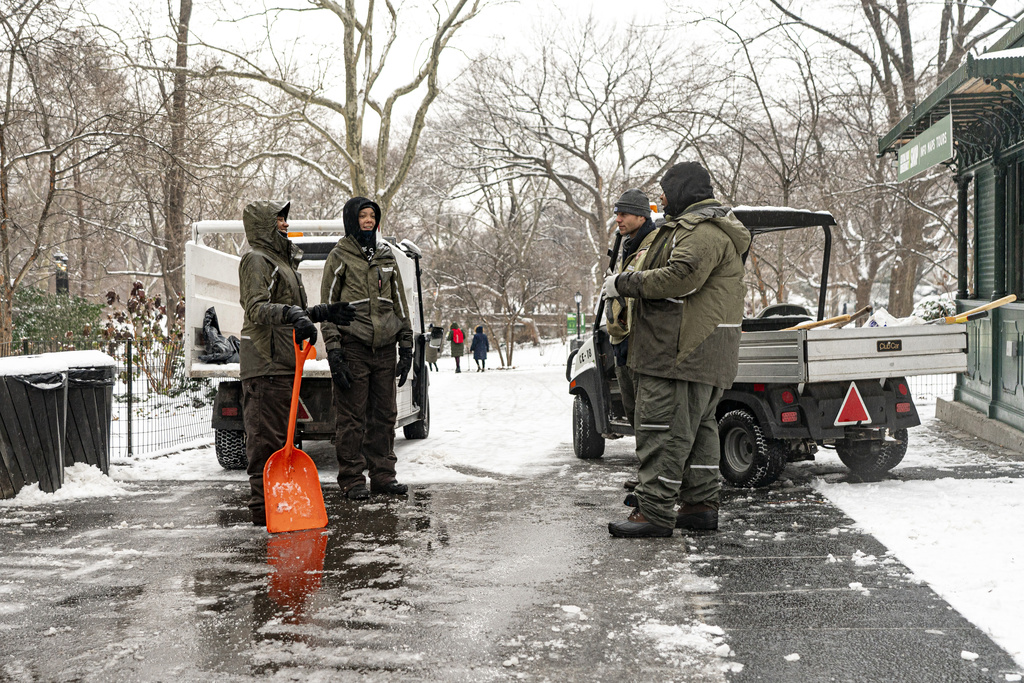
(931, 147)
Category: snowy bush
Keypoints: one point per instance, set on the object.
(933, 307)
(39, 316)
(143, 317)
(158, 353)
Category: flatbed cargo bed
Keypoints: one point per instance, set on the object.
(829, 355)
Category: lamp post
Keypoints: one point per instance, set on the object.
(579, 299)
(61, 273)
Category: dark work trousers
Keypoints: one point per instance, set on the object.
(677, 443)
(366, 414)
(265, 405)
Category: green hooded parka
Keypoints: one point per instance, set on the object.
(268, 283)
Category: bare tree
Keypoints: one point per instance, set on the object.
(369, 33)
(172, 257)
(764, 147)
(886, 50)
(47, 132)
(594, 112)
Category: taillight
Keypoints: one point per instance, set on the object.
(758, 387)
(229, 412)
(902, 407)
(790, 416)
(902, 388)
(788, 397)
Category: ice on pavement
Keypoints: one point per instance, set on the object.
(961, 536)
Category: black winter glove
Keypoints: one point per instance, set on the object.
(300, 322)
(339, 313)
(404, 364)
(339, 369)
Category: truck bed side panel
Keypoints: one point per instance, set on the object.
(211, 279)
(885, 352)
(771, 357)
(826, 355)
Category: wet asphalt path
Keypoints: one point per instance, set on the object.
(515, 580)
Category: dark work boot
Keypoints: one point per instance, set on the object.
(258, 516)
(637, 526)
(699, 517)
(630, 501)
(358, 492)
(391, 488)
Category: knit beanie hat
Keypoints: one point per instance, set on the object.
(634, 202)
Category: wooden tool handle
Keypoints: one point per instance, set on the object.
(1009, 298)
(859, 313)
(818, 323)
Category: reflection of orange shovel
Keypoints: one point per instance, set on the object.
(291, 484)
(298, 563)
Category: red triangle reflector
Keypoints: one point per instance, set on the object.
(301, 414)
(853, 411)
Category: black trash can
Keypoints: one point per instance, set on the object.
(32, 416)
(90, 396)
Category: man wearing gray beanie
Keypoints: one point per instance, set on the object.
(633, 218)
(685, 334)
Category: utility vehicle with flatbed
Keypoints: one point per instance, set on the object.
(797, 390)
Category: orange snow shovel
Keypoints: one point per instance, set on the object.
(291, 484)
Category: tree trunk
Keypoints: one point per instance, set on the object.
(6, 320)
(172, 260)
(76, 178)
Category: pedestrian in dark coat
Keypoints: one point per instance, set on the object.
(458, 342)
(430, 352)
(479, 347)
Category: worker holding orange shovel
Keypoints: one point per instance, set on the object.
(274, 303)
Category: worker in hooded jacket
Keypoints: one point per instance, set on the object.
(274, 305)
(361, 269)
(684, 351)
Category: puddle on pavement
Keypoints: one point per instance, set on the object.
(345, 581)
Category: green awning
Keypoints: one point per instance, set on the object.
(985, 95)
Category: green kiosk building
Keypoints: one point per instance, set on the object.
(980, 109)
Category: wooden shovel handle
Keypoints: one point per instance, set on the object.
(1009, 298)
(859, 313)
(818, 323)
(301, 354)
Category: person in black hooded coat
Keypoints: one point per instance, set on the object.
(480, 347)
(362, 269)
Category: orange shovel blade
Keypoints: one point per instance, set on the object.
(291, 487)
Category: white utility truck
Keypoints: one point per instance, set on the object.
(796, 390)
(211, 279)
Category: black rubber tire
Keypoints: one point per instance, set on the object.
(230, 447)
(421, 428)
(749, 458)
(858, 455)
(587, 443)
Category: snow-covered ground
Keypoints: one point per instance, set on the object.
(963, 536)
